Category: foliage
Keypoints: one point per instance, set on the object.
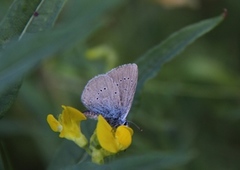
(189, 111)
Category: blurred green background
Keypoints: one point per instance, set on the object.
(192, 105)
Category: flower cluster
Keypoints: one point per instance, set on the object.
(105, 140)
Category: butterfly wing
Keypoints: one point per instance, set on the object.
(101, 96)
(125, 78)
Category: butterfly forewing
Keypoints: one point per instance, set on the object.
(101, 95)
(125, 79)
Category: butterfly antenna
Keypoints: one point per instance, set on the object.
(136, 125)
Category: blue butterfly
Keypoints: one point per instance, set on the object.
(111, 94)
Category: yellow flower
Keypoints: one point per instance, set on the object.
(68, 124)
(105, 140)
(113, 140)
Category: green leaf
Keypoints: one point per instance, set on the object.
(19, 57)
(151, 62)
(29, 16)
(24, 16)
(44, 16)
(24, 55)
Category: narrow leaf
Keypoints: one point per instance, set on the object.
(22, 59)
(24, 55)
(151, 62)
(29, 16)
(23, 16)
(44, 16)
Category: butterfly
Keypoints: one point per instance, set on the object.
(111, 94)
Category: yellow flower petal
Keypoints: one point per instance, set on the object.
(111, 140)
(70, 114)
(105, 135)
(123, 137)
(54, 124)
